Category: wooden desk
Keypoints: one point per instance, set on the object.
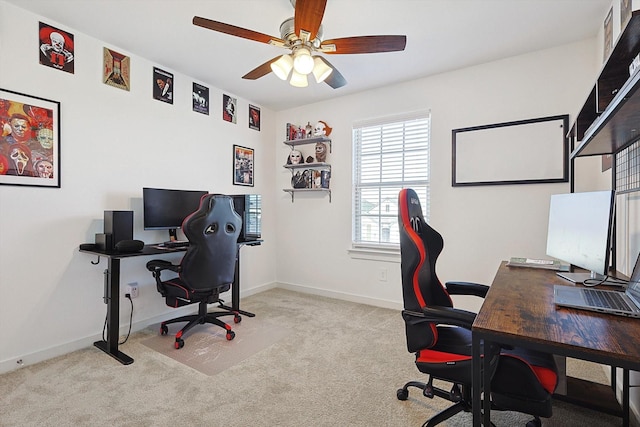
(519, 310)
(112, 291)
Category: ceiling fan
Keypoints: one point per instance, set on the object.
(303, 35)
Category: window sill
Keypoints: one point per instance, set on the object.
(375, 253)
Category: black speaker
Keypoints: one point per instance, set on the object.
(119, 224)
(129, 246)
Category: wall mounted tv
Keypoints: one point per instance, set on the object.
(165, 209)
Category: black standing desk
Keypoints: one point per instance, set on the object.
(519, 310)
(112, 291)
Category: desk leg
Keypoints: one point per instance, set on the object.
(476, 381)
(235, 292)
(113, 314)
(625, 397)
(486, 382)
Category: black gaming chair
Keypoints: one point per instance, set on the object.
(440, 335)
(207, 268)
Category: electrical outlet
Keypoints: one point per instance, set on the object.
(382, 275)
(133, 290)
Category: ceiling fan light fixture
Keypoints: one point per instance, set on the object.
(298, 80)
(320, 69)
(282, 67)
(302, 60)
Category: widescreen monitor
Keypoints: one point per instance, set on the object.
(579, 232)
(165, 209)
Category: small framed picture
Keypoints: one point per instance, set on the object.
(30, 142)
(243, 166)
(229, 108)
(56, 48)
(162, 85)
(254, 117)
(117, 69)
(200, 95)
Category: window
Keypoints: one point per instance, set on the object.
(388, 155)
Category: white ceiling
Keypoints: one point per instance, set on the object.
(442, 35)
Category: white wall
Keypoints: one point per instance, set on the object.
(113, 143)
(481, 225)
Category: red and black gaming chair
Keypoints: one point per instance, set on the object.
(207, 268)
(440, 335)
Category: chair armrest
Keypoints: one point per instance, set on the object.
(443, 316)
(467, 288)
(157, 265)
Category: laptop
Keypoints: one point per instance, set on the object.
(625, 303)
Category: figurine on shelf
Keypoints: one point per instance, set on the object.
(322, 129)
(308, 130)
(310, 159)
(321, 152)
(294, 158)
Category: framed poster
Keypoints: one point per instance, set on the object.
(162, 85)
(242, 166)
(117, 69)
(521, 152)
(200, 98)
(254, 117)
(608, 35)
(29, 140)
(56, 48)
(229, 108)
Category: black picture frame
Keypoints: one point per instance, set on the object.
(529, 151)
(30, 143)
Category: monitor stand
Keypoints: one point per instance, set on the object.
(580, 277)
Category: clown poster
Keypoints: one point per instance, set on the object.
(56, 48)
(29, 140)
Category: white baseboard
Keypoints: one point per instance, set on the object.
(341, 296)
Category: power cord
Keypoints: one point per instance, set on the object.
(607, 280)
(104, 327)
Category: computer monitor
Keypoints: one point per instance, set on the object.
(165, 209)
(579, 232)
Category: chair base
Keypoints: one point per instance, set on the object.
(200, 319)
(462, 402)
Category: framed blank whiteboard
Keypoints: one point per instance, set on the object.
(521, 152)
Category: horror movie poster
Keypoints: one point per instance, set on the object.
(162, 85)
(56, 48)
(29, 140)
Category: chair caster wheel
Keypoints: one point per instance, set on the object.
(179, 343)
(402, 394)
(237, 318)
(230, 335)
(534, 423)
(164, 330)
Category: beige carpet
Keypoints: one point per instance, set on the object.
(339, 365)
(206, 347)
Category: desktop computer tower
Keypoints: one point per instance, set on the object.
(249, 207)
(119, 225)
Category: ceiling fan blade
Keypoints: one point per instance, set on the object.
(308, 16)
(364, 44)
(236, 31)
(261, 70)
(335, 79)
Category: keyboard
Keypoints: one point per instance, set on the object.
(605, 299)
(176, 244)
